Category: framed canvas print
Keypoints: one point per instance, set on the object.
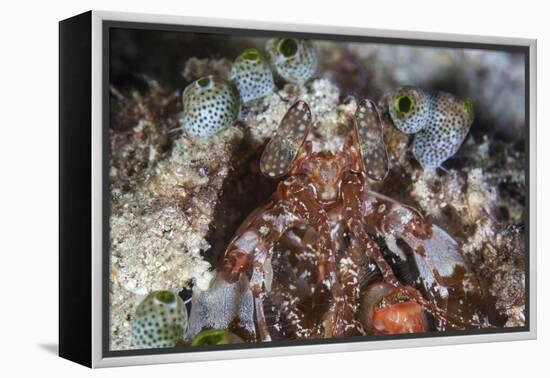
(232, 189)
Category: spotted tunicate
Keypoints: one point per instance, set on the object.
(252, 75)
(440, 122)
(159, 321)
(294, 60)
(210, 104)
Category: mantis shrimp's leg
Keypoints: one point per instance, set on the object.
(290, 301)
(352, 194)
(250, 253)
(349, 268)
(374, 253)
(436, 254)
(362, 207)
(251, 250)
(260, 317)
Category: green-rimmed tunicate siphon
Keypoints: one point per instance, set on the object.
(210, 104)
(294, 60)
(409, 109)
(440, 122)
(160, 321)
(215, 337)
(252, 75)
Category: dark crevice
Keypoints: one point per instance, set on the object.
(244, 190)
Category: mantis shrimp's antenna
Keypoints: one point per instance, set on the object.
(371, 140)
(284, 146)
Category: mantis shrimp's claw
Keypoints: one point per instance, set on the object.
(224, 305)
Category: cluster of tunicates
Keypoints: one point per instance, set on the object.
(212, 103)
(439, 121)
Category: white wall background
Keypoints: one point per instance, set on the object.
(28, 184)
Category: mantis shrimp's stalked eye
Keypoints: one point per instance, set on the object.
(209, 105)
(216, 337)
(252, 75)
(439, 120)
(390, 310)
(294, 60)
(159, 321)
(284, 146)
(409, 109)
(371, 140)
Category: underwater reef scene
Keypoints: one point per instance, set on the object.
(274, 189)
